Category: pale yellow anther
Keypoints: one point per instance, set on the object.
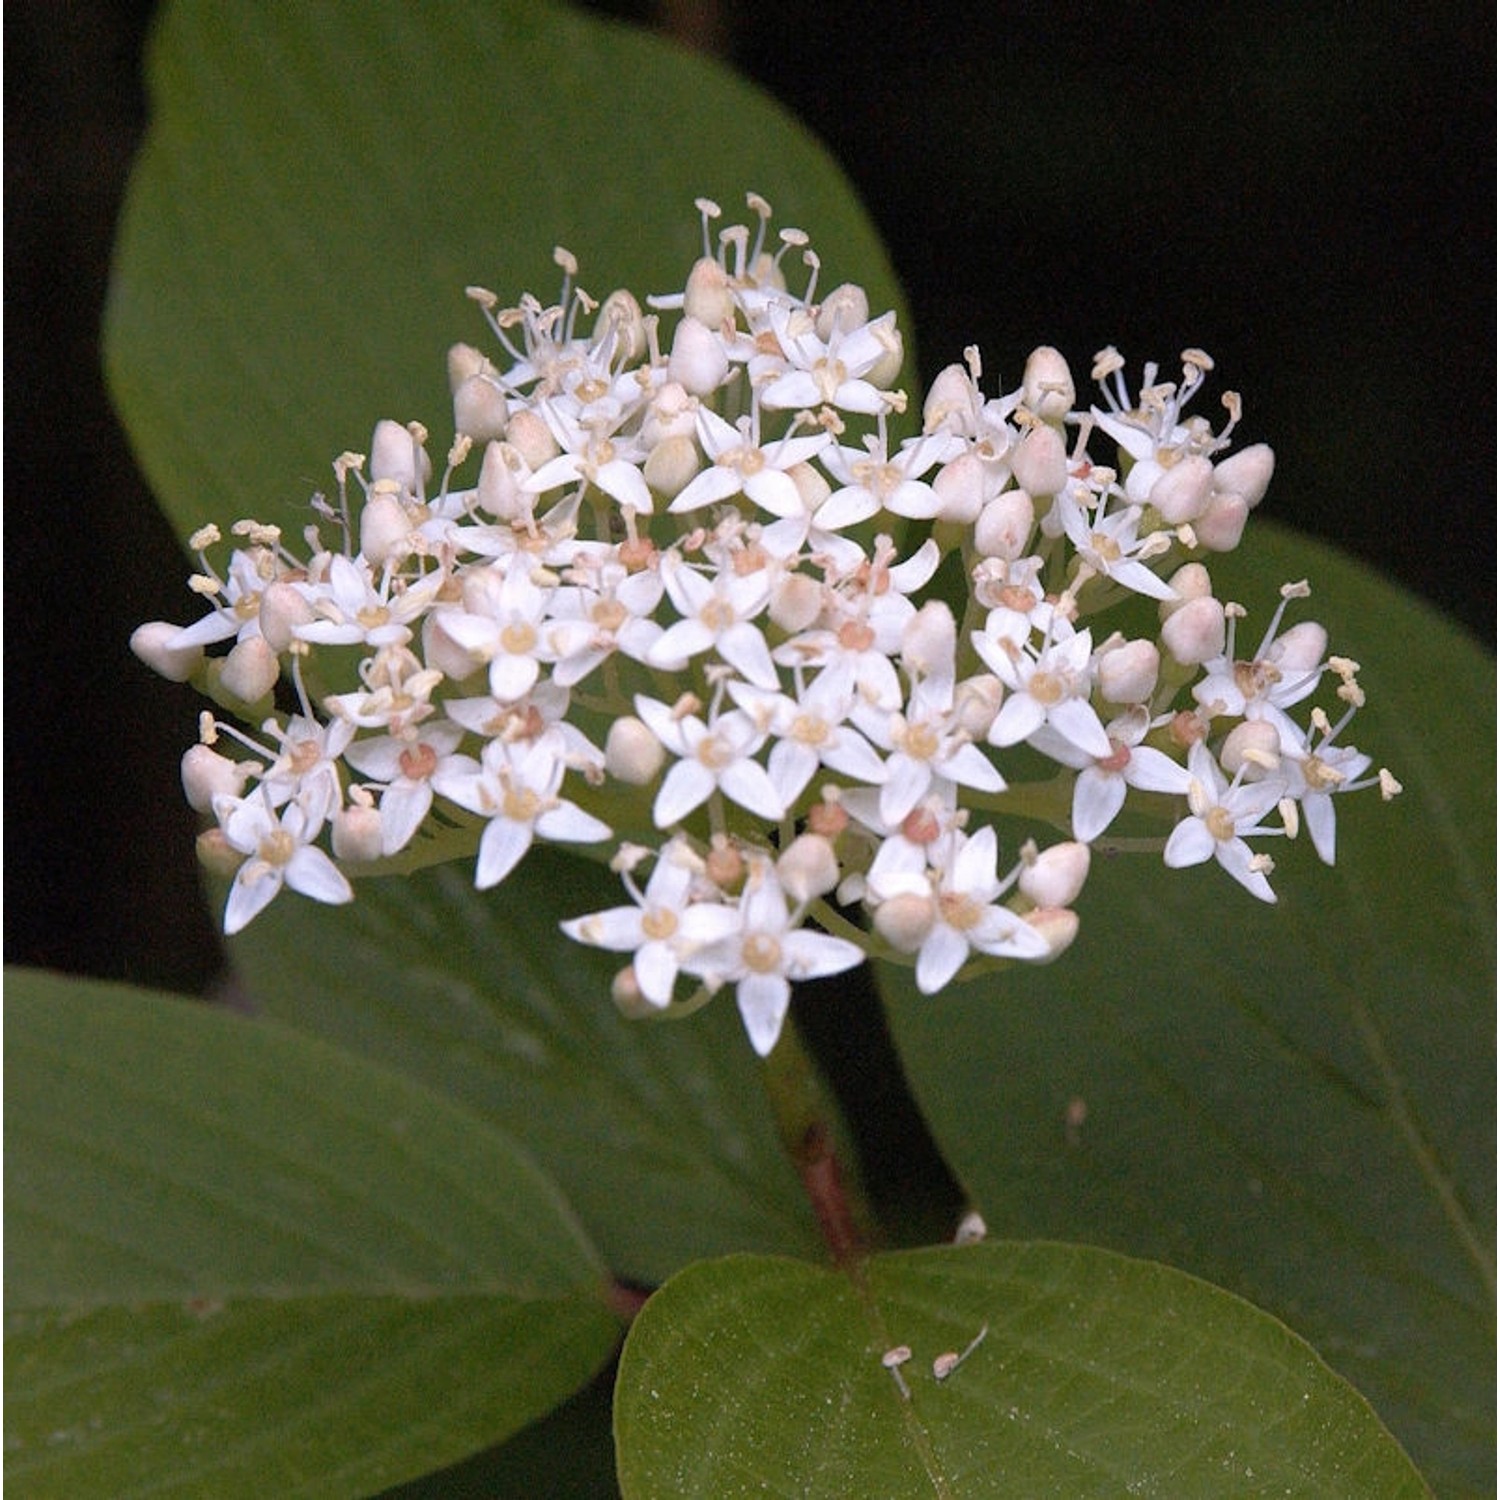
(203, 583)
(204, 537)
(1299, 590)
(1389, 786)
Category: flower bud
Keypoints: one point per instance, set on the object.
(216, 854)
(500, 474)
(464, 362)
(620, 318)
(250, 670)
(1004, 526)
(1182, 492)
(1246, 473)
(632, 754)
(1058, 926)
(480, 410)
(1127, 674)
(929, 641)
(356, 833)
(1221, 526)
(844, 309)
(951, 404)
(1047, 385)
(1194, 632)
(1253, 746)
(796, 600)
(670, 465)
(625, 990)
(1301, 649)
(672, 413)
(886, 370)
(1056, 875)
(395, 454)
(206, 774)
(808, 868)
(960, 489)
(532, 438)
(1191, 581)
(384, 528)
(152, 643)
(905, 920)
(707, 299)
(699, 361)
(976, 701)
(1040, 460)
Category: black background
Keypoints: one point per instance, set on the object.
(1306, 192)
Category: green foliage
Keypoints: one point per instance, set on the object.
(1093, 1375)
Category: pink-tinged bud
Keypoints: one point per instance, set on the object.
(699, 361)
(396, 455)
(152, 643)
(672, 413)
(1247, 473)
(1194, 632)
(670, 465)
(282, 610)
(1005, 525)
(1040, 461)
(796, 600)
(725, 866)
(809, 868)
(707, 298)
(384, 529)
(1191, 581)
(206, 774)
(625, 990)
(929, 641)
(464, 362)
(532, 438)
(905, 920)
(960, 487)
(480, 410)
(1301, 649)
(1254, 747)
(1182, 492)
(1057, 926)
(827, 818)
(356, 833)
(886, 370)
(1056, 875)
(951, 404)
(1047, 385)
(500, 474)
(1221, 526)
(216, 854)
(976, 701)
(620, 318)
(843, 310)
(1128, 673)
(441, 651)
(632, 754)
(250, 670)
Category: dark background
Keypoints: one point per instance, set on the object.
(1306, 192)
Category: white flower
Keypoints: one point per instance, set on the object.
(405, 767)
(765, 952)
(1221, 816)
(718, 613)
(352, 609)
(515, 787)
(281, 851)
(959, 872)
(740, 465)
(716, 754)
(1048, 686)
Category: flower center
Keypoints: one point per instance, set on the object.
(658, 923)
(959, 911)
(521, 804)
(418, 763)
(808, 729)
(855, 635)
(1220, 822)
(519, 638)
(277, 847)
(714, 753)
(1047, 687)
(761, 953)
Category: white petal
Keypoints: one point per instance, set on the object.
(763, 999)
(500, 850)
(310, 872)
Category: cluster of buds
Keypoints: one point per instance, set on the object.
(700, 611)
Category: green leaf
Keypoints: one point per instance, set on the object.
(1295, 1102)
(1095, 1375)
(320, 184)
(242, 1263)
(659, 1132)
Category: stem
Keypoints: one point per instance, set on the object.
(812, 1131)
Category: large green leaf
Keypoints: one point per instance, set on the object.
(1296, 1102)
(1095, 1375)
(321, 182)
(660, 1133)
(239, 1262)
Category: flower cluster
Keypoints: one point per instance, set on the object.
(700, 608)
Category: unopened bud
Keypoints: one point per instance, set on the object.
(1128, 672)
(464, 362)
(356, 833)
(960, 488)
(620, 319)
(976, 701)
(1058, 927)
(1040, 461)
(1004, 526)
(1054, 877)
(500, 475)
(672, 413)
(396, 455)
(625, 990)
(1253, 746)
(152, 643)
(206, 774)
(698, 361)
(707, 298)
(886, 370)
(951, 404)
(480, 410)
(383, 529)
(1221, 526)
(1194, 632)
(216, 854)
(843, 310)
(441, 651)
(1182, 492)
(632, 754)
(250, 670)
(905, 920)
(1246, 473)
(796, 600)
(1190, 581)
(929, 641)
(1301, 649)
(1047, 385)
(808, 868)
(671, 464)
